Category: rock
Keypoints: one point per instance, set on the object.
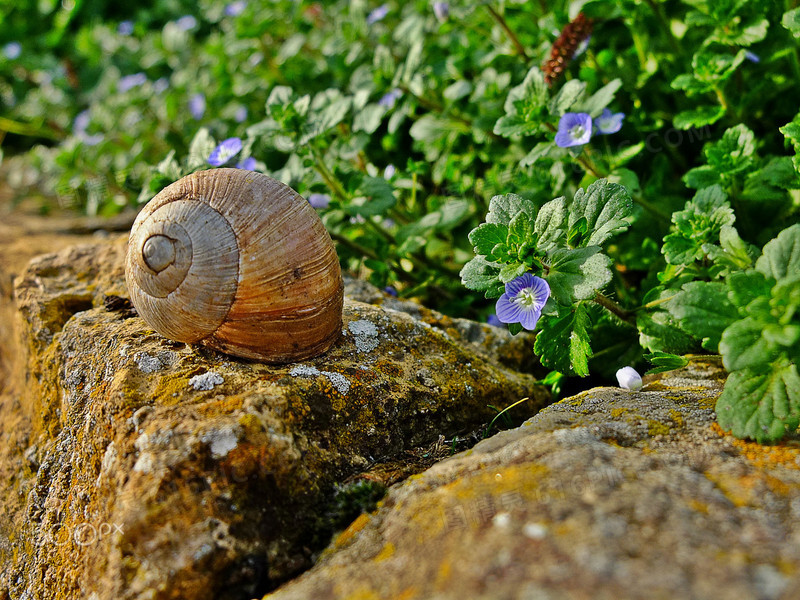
(608, 494)
(143, 468)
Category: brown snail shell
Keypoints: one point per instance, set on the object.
(237, 261)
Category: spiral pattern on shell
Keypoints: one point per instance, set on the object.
(237, 261)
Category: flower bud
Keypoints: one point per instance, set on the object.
(629, 379)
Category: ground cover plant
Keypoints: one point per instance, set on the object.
(621, 177)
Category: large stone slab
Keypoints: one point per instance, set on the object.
(142, 468)
(608, 494)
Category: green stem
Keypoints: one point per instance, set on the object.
(330, 179)
(11, 126)
(507, 408)
(509, 32)
(673, 41)
(614, 308)
(653, 304)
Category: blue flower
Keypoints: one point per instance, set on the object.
(609, 122)
(240, 115)
(131, 81)
(378, 14)
(226, 150)
(248, 164)
(441, 10)
(574, 129)
(12, 50)
(186, 23)
(319, 200)
(197, 106)
(629, 379)
(79, 127)
(523, 301)
(234, 9)
(752, 56)
(390, 99)
(125, 28)
(390, 290)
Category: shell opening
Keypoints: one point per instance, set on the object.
(158, 252)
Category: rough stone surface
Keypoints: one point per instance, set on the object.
(608, 494)
(135, 467)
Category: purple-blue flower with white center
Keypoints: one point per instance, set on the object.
(226, 150)
(12, 50)
(131, 81)
(125, 28)
(248, 164)
(629, 379)
(197, 106)
(574, 129)
(494, 321)
(378, 14)
(234, 9)
(319, 200)
(609, 122)
(186, 23)
(523, 301)
(441, 10)
(390, 99)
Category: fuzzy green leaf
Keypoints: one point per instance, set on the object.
(791, 20)
(563, 342)
(704, 311)
(606, 207)
(481, 275)
(781, 256)
(664, 362)
(698, 117)
(550, 223)
(761, 404)
(577, 274)
(486, 236)
(504, 208)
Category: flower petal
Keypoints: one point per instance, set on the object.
(507, 311)
(529, 318)
(516, 285)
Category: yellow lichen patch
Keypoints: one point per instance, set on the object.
(170, 389)
(223, 406)
(786, 454)
(655, 428)
(676, 417)
(386, 552)
(407, 594)
(344, 538)
(616, 413)
(700, 507)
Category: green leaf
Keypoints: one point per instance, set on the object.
(482, 276)
(733, 152)
(199, 150)
(369, 118)
(704, 311)
(520, 228)
(550, 224)
(504, 208)
(743, 345)
(524, 106)
(698, 117)
(746, 287)
(701, 177)
(605, 206)
(781, 256)
(570, 93)
(595, 104)
(577, 274)
(377, 196)
(563, 343)
(512, 271)
(540, 150)
(664, 362)
(457, 89)
(486, 236)
(791, 21)
(169, 167)
(763, 405)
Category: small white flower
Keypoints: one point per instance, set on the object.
(629, 379)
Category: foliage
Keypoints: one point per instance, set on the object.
(670, 140)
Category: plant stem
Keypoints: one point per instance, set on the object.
(330, 179)
(653, 304)
(11, 126)
(676, 47)
(511, 35)
(507, 408)
(614, 308)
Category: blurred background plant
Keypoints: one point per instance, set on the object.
(400, 121)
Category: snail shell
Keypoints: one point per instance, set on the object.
(237, 261)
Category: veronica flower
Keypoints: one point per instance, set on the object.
(390, 290)
(12, 50)
(79, 127)
(234, 9)
(523, 301)
(125, 28)
(574, 129)
(248, 164)
(441, 10)
(378, 14)
(609, 122)
(319, 200)
(131, 81)
(629, 379)
(389, 172)
(197, 106)
(226, 150)
(390, 99)
(494, 321)
(240, 115)
(186, 22)
(752, 56)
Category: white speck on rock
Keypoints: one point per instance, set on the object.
(304, 371)
(535, 531)
(502, 520)
(365, 333)
(221, 441)
(206, 381)
(147, 363)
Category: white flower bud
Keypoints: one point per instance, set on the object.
(629, 379)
